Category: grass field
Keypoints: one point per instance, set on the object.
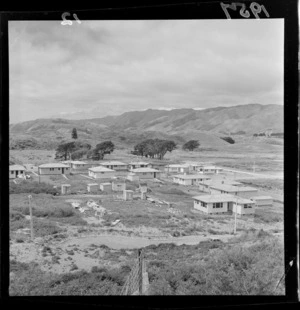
(64, 260)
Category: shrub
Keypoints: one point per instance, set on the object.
(32, 187)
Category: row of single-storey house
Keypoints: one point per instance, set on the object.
(137, 170)
(231, 196)
(192, 168)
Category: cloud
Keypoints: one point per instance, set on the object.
(111, 67)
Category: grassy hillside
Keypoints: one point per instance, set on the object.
(125, 130)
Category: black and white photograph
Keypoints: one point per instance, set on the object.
(146, 157)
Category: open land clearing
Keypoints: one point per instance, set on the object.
(83, 253)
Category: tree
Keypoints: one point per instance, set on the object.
(100, 150)
(64, 150)
(154, 148)
(228, 139)
(191, 145)
(74, 134)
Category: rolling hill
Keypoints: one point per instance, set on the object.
(179, 125)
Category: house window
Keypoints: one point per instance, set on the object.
(144, 173)
(58, 168)
(51, 169)
(217, 205)
(12, 172)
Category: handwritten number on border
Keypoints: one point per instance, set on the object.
(254, 7)
(67, 21)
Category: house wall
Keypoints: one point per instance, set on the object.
(116, 167)
(101, 175)
(264, 202)
(242, 210)
(13, 173)
(147, 175)
(79, 166)
(53, 171)
(209, 207)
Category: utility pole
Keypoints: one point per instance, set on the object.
(31, 220)
(140, 278)
(235, 217)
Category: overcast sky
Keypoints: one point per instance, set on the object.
(100, 68)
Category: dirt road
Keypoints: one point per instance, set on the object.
(124, 242)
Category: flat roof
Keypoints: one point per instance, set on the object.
(191, 176)
(16, 167)
(232, 188)
(114, 163)
(101, 169)
(53, 165)
(145, 170)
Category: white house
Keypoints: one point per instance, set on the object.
(204, 186)
(213, 203)
(115, 165)
(54, 168)
(15, 171)
(208, 169)
(189, 179)
(146, 173)
(262, 201)
(243, 206)
(138, 164)
(243, 191)
(76, 164)
(177, 168)
(101, 172)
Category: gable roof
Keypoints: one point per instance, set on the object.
(16, 167)
(53, 165)
(191, 176)
(101, 169)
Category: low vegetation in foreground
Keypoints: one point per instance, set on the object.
(208, 268)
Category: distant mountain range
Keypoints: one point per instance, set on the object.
(178, 124)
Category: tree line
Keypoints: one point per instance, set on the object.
(150, 148)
